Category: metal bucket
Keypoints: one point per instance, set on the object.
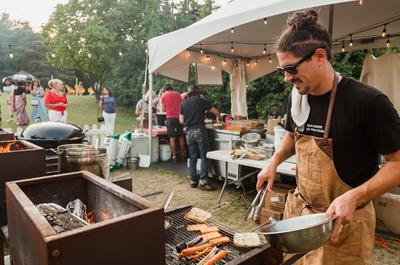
(132, 163)
(77, 157)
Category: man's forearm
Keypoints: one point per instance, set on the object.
(384, 180)
(286, 149)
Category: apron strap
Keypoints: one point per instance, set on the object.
(330, 108)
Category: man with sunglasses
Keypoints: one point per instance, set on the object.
(337, 127)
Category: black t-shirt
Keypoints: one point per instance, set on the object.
(364, 124)
(193, 110)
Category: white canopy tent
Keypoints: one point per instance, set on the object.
(246, 31)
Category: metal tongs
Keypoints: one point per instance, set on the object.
(253, 213)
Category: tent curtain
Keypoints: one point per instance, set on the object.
(383, 74)
(238, 90)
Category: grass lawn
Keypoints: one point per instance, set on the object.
(81, 110)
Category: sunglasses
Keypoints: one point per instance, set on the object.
(292, 69)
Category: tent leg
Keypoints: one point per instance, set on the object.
(150, 113)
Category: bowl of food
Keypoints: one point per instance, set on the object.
(299, 234)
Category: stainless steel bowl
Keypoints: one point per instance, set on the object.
(299, 234)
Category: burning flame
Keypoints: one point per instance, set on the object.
(11, 146)
(90, 217)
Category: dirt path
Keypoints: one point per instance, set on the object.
(156, 178)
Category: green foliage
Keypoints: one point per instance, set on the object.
(28, 50)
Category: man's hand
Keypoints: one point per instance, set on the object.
(268, 173)
(344, 207)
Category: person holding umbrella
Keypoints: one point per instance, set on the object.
(19, 104)
(56, 101)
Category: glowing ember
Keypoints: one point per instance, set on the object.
(90, 217)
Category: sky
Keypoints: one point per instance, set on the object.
(37, 12)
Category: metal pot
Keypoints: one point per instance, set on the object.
(299, 234)
(76, 157)
(52, 134)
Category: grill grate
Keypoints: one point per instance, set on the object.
(177, 233)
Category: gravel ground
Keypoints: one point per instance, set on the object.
(157, 178)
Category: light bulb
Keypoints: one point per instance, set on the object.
(53, 55)
(188, 53)
(265, 21)
(351, 41)
(224, 62)
(232, 49)
(255, 63)
(11, 55)
(120, 53)
(384, 31)
(232, 30)
(343, 48)
(270, 60)
(265, 49)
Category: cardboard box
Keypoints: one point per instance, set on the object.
(276, 198)
(387, 208)
(266, 214)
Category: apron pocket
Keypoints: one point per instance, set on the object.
(349, 239)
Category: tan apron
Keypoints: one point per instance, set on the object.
(318, 184)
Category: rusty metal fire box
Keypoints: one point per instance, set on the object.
(23, 160)
(127, 229)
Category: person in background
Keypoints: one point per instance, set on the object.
(171, 102)
(56, 101)
(142, 110)
(8, 88)
(19, 103)
(38, 110)
(107, 107)
(192, 114)
(337, 127)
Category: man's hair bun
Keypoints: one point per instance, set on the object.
(303, 19)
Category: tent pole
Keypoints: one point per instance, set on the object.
(150, 112)
(331, 15)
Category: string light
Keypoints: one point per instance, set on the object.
(255, 63)
(201, 50)
(384, 31)
(120, 53)
(208, 57)
(212, 67)
(265, 21)
(224, 62)
(343, 48)
(360, 2)
(53, 55)
(265, 48)
(232, 49)
(188, 53)
(269, 59)
(10, 54)
(351, 40)
(388, 41)
(248, 63)
(232, 30)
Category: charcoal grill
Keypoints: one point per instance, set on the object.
(177, 233)
(26, 163)
(133, 233)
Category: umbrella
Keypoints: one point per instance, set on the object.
(22, 76)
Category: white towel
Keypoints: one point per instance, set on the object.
(300, 109)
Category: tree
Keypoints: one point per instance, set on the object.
(27, 48)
